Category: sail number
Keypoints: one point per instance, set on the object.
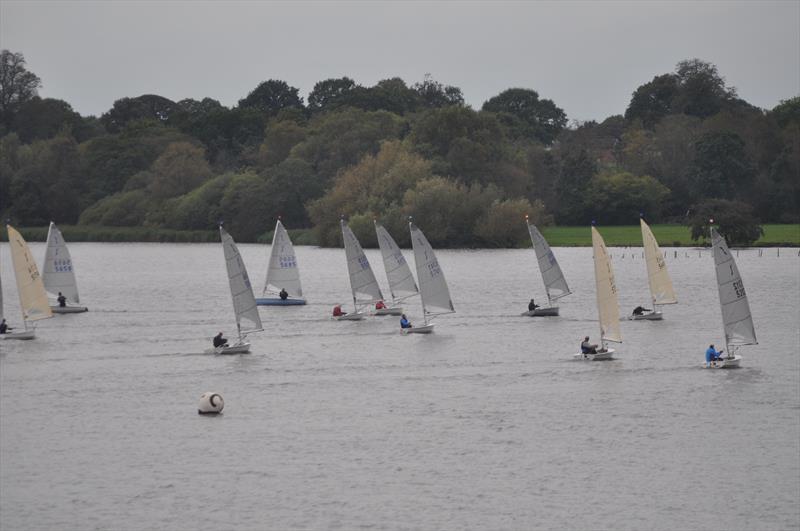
(62, 266)
(433, 268)
(287, 262)
(362, 261)
(738, 288)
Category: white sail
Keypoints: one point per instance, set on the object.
(607, 305)
(244, 303)
(282, 271)
(736, 317)
(661, 289)
(57, 272)
(362, 279)
(32, 296)
(554, 282)
(401, 281)
(432, 284)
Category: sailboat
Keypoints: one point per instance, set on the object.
(32, 296)
(607, 304)
(661, 291)
(245, 310)
(737, 321)
(552, 277)
(433, 289)
(362, 280)
(58, 274)
(282, 272)
(401, 281)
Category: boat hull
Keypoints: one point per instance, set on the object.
(725, 363)
(277, 301)
(23, 335)
(396, 310)
(69, 309)
(542, 312)
(652, 316)
(237, 348)
(607, 354)
(424, 329)
(355, 316)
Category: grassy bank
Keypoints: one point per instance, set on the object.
(629, 235)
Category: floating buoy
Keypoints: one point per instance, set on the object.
(210, 404)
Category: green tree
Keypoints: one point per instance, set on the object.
(272, 96)
(244, 207)
(434, 94)
(180, 168)
(17, 84)
(616, 198)
(40, 119)
(576, 171)
(502, 224)
(199, 209)
(721, 168)
(279, 139)
(787, 112)
(734, 221)
(330, 93)
(702, 90)
(124, 209)
(542, 119)
(653, 101)
(145, 107)
(290, 185)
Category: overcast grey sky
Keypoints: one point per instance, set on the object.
(588, 57)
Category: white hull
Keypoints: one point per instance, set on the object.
(725, 363)
(424, 329)
(652, 316)
(69, 309)
(600, 356)
(241, 347)
(25, 334)
(542, 312)
(396, 310)
(355, 316)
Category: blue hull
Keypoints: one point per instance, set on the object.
(280, 302)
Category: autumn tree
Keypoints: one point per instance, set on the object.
(17, 84)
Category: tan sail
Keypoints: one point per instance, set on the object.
(660, 284)
(32, 296)
(607, 305)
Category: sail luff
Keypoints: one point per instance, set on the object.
(244, 302)
(661, 290)
(606, 287)
(433, 288)
(363, 283)
(58, 274)
(32, 295)
(282, 269)
(401, 281)
(552, 276)
(737, 321)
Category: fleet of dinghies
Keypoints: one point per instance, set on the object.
(283, 280)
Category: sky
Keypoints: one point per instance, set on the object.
(588, 57)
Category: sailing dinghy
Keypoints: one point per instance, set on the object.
(282, 272)
(661, 291)
(58, 274)
(401, 281)
(363, 283)
(32, 295)
(554, 283)
(433, 290)
(245, 310)
(607, 305)
(737, 321)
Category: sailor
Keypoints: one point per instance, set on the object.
(532, 306)
(380, 305)
(639, 310)
(713, 355)
(337, 311)
(62, 300)
(588, 348)
(283, 294)
(220, 341)
(404, 322)
(3, 327)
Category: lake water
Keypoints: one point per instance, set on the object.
(486, 424)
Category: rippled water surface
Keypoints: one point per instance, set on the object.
(486, 424)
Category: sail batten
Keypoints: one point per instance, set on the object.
(244, 302)
(401, 281)
(553, 278)
(363, 283)
(737, 321)
(606, 287)
(58, 274)
(32, 295)
(282, 270)
(661, 290)
(432, 283)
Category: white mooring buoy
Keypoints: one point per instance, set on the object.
(210, 404)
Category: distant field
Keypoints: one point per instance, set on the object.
(667, 236)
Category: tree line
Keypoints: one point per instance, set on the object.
(687, 148)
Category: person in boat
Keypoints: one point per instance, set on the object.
(337, 311)
(712, 354)
(640, 310)
(283, 294)
(380, 305)
(588, 348)
(62, 300)
(532, 306)
(220, 341)
(404, 323)
(4, 327)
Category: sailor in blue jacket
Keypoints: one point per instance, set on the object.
(712, 355)
(404, 322)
